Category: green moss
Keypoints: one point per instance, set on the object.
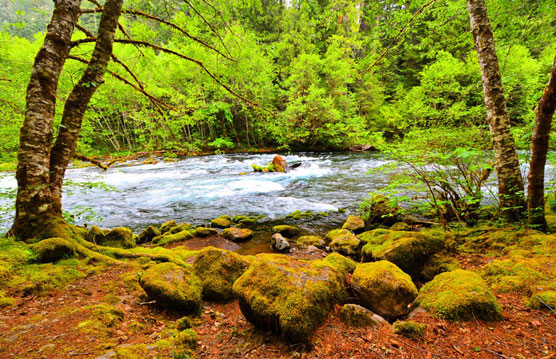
(459, 295)
(354, 223)
(438, 264)
(221, 222)
(300, 215)
(173, 286)
(186, 340)
(95, 235)
(165, 227)
(337, 261)
(288, 296)
(343, 241)
(400, 226)
(357, 316)
(285, 230)
(102, 320)
(205, 232)
(237, 234)
(167, 239)
(384, 288)
(135, 351)
(120, 237)
(53, 249)
(180, 228)
(379, 209)
(111, 299)
(183, 323)
(218, 269)
(544, 300)
(306, 241)
(515, 274)
(148, 234)
(409, 329)
(6, 301)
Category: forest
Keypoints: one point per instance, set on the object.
(277, 178)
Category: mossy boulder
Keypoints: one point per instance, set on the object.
(408, 250)
(244, 221)
(337, 261)
(544, 300)
(286, 231)
(306, 241)
(173, 287)
(409, 329)
(165, 227)
(355, 315)
(173, 238)
(288, 296)
(205, 232)
(355, 224)
(148, 234)
(218, 269)
(120, 237)
(459, 295)
(180, 228)
(300, 215)
(223, 221)
(95, 235)
(53, 249)
(238, 234)
(343, 241)
(380, 210)
(384, 288)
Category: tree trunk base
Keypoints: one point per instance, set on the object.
(41, 227)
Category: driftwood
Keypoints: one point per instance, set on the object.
(93, 161)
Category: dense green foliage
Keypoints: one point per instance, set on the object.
(326, 73)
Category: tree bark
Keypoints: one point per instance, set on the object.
(34, 208)
(539, 149)
(510, 182)
(79, 99)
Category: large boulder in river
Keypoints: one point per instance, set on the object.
(238, 234)
(120, 237)
(408, 250)
(343, 241)
(218, 269)
(290, 297)
(459, 295)
(355, 224)
(173, 287)
(383, 288)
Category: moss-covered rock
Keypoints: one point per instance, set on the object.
(165, 227)
(223, 221)
(185, 342)
(459, 295)
(438, 264)
(516, 273)
(306, 241)
(205, 232)
(343, 241)
(286, 231)
(380, 210)
(53, 249)
(173, 287)
(287, 295)
(544, 300)
(95, 235)
(180, 228)
(300, 215)
(173, 238)
(279, 243)
(6, 301)
(408, 250)
(355, 224)
(384, 288)
(218, 269)
(357, 316)
(244, 221)
(120, 237)
(238, 234)
(400, 226)
(148, 234)
(337, 261)
(409, 329)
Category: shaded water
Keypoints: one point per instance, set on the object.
(197, 189)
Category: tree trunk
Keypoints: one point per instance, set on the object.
(539, 148)
(510, 183)
(34, 208)
(78, 100)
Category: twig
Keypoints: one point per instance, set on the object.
(92, 160)
(496, 353)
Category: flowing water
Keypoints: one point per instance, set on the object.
(197, 189)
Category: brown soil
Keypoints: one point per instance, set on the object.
(49, 327)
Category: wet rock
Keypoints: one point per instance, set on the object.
(167, 226)
(286, 231)
(288, 296)
(357, 316)
(120, 237)
(343, 241)
(279, 243)
(384, 288)
(305, 241)
(221, 222)
(173, 287)
(205, 232)
(355, 224)
(218, 269)
(238, 234)
(148, 234)
(459, 295)
(53, 249)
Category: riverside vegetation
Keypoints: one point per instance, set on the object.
(430, 266)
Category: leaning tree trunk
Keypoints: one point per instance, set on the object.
(34, 209)
(539, 149)
(510, 183)
(80, 96)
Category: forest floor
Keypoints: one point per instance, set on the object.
(107, 313)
